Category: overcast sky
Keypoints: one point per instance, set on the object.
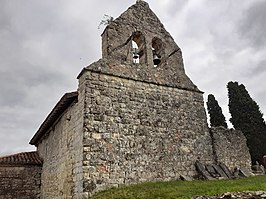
(45, 44)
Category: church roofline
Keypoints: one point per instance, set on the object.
(57, 111)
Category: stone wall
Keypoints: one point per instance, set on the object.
(136, 131)
(20, 182)
(61, 151)
(230, 148)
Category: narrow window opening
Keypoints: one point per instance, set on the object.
(135, 52)
(156, 58)
(157, 51)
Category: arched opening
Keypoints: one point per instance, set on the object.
(157, 51)
(135, 52)
(138, 48)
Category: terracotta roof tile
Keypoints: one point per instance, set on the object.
(25, 158)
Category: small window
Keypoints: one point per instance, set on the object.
(157, 51)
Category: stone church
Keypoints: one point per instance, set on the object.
(135, 117)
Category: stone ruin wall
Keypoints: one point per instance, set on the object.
(21, 182)
(230, 148)
(61, 151)
(136, 131)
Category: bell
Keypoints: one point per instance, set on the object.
(156, 60)
(135, 54)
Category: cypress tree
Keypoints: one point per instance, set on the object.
(216, 115)
(247, 117)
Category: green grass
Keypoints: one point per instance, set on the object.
(180, 189)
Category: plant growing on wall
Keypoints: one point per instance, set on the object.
(215, 112)
(247, 117)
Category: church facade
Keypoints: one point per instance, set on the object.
(135, 117)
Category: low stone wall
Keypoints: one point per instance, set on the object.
(230, 148)
(20, 182)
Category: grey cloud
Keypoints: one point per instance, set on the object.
(252, 25)
(23, 21)
(176, 6)
(21, 78)
(15, 124)
(260, 68)
(10, 96)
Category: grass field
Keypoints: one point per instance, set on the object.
(181, 189)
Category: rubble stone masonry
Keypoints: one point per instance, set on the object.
(61, 151)
(230, 148)
(137, 131)
(21, 182)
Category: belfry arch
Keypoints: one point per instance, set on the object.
(157, 51)
(139, 48)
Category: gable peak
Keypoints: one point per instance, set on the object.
(136, 45)
(142, 2)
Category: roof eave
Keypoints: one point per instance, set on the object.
(56, 112)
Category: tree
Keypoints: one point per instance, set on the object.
(216, 115)
(247, 117)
